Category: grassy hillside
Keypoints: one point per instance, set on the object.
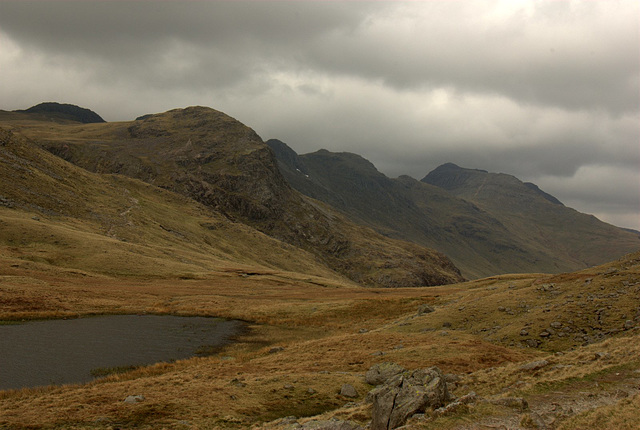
(55, 213)
(328, 334)
(213, 159)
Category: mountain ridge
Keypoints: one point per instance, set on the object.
(478, 238)
(64, 216)
(212, 158)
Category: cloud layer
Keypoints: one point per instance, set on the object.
(548, 91)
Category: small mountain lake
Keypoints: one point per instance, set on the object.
(49, 352)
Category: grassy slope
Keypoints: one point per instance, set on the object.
(331, 330)
(212, 158)
(58, 214)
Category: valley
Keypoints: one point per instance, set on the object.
(188, 213)
(310, 336)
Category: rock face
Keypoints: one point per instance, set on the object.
(406, 394)
(348, 390)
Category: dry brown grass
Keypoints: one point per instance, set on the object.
(316, 320)
(331, 331)
(621, 416)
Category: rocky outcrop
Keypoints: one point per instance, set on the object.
(382, 372)
(348, 390)
(407, 394)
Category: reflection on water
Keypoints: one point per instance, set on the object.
(66, 351)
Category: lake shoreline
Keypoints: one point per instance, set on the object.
(39, 353)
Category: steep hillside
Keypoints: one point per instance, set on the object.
(210, 157)
(476, 239)
(55, 214)
(577, 240)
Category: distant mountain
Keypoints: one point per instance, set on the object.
(536, 217)
(479, 241)
(65, 111)
(215, 160)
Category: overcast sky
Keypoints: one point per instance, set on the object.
(548, 91)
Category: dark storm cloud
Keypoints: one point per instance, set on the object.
(219, 43)
(545, 90)
(569, 54)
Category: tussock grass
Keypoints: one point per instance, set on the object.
(623, 416)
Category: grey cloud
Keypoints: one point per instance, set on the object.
(225, 42)
(550, 57)
(578, 55)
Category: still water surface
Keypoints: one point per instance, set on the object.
(65, 351)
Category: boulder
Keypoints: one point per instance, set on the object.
(534, 365)
(348, 390)
(406, 394)
(425, 309)
(134, 399)
(382, 372)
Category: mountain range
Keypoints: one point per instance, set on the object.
(188, 212)
(336, 207)
(214, 160)
(486, 223)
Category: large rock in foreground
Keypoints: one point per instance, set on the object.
(406, 394)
